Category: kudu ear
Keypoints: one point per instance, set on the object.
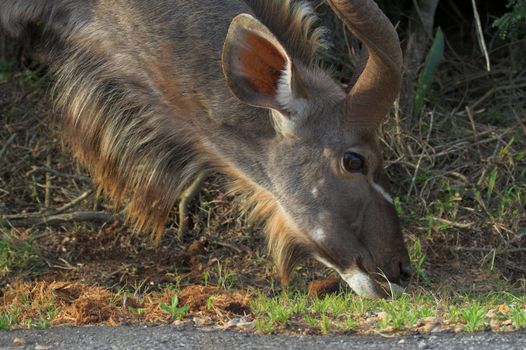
(257, 68)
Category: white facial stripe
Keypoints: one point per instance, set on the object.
(326, 263)
(380, 190)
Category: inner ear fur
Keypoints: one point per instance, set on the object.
(254, 62)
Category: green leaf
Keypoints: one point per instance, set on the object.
(173, 309)
(433, 59)
(513, 23)
(491, 182)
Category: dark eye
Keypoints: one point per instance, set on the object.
(353, 162)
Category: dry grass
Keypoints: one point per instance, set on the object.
(44, 304)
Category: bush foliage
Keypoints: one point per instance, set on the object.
(513, 23)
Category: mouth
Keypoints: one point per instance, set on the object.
(366, 286)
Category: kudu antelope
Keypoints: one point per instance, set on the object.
(155, 92)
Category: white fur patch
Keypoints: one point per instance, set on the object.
(315, 192)
(285, 95)
(305, 9)
(285, 125)
(361, 283)
(380, 190)
(318, 234)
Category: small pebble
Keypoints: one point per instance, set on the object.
(19, 341)
(423, 345)
(41, 347)
(178, 323)
(201, 321)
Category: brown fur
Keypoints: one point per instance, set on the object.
(286, 243)
(113, 125)
(114, 128)
(152, 94)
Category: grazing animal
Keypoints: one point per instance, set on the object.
(155, 92)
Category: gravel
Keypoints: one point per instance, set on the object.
(169, 337)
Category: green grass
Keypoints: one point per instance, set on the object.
(177, 312)
(518, 316)
(345, 312)
(43, 314)
(8, 318)
(474, 316)
(405, 312)
(226, 279)
(418, 258)
(17, 255)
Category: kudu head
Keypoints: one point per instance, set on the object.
(324, 167)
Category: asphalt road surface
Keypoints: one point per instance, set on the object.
(166, 337)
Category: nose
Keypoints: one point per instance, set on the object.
(405, 273)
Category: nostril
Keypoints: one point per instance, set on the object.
(405, 273)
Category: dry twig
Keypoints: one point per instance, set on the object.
(480, 33)
(57, 219)
(52, 211)
(7, 144)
